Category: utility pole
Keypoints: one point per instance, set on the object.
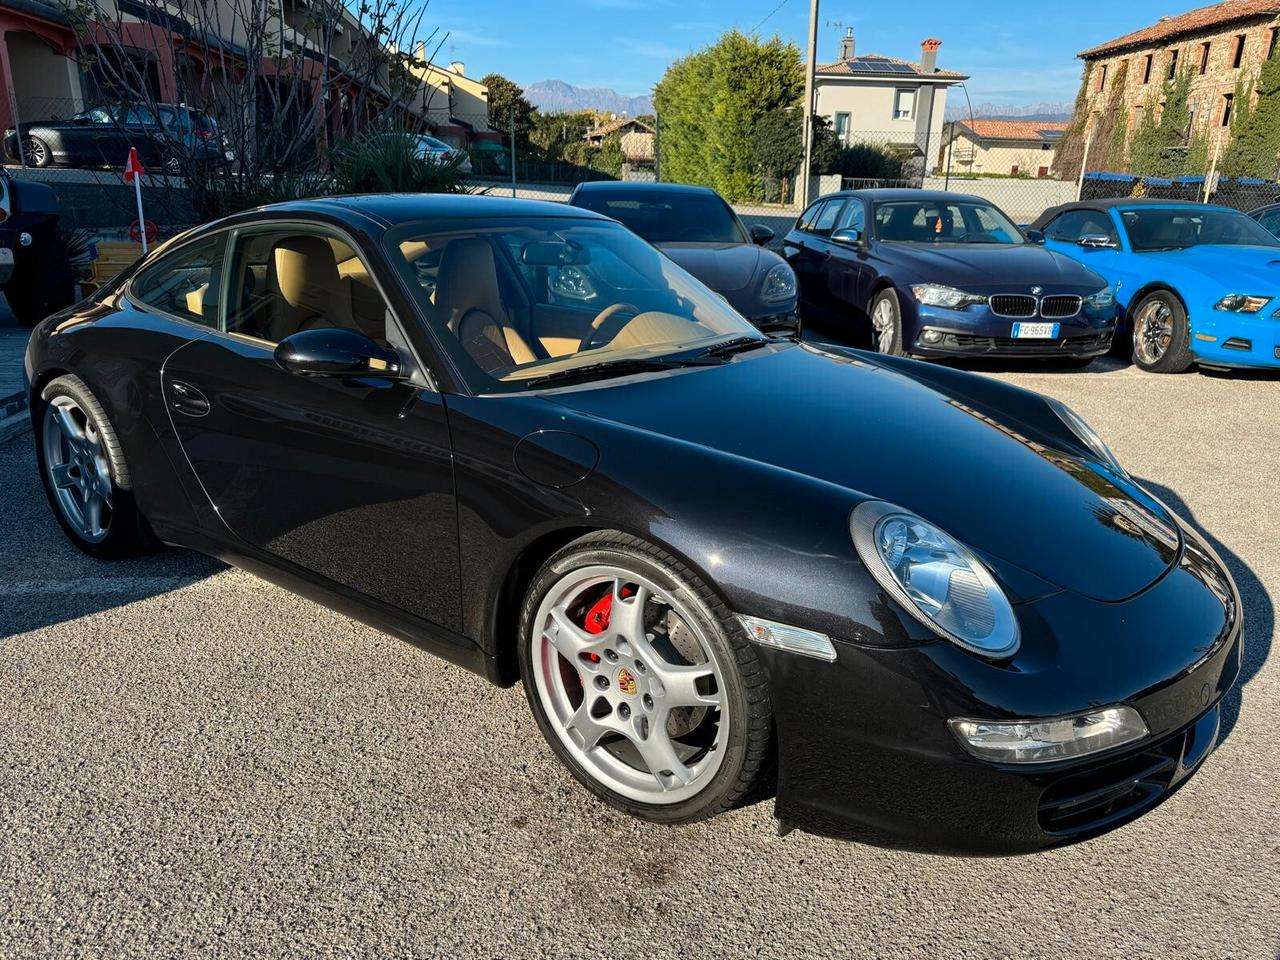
(811, 68)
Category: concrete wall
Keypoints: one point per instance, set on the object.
(46, 84)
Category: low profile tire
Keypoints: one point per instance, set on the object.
(1161, 334)
(886, 324)
(84, 473)
(643, 683)
(36, 152)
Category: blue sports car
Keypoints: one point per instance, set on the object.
(934, 274)
(1197, 284)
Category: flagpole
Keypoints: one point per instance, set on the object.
(133, 171)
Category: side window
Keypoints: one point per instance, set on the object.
(853, 218)
(1271, 221)
(284, 281)
(810, 216)
(825, 218)
(1074, 224)
(187, 283)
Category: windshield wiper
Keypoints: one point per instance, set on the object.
(735, 345)
(609, 368)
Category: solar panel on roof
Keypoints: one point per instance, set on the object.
(901, 68)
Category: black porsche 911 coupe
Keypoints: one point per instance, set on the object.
(926, 608)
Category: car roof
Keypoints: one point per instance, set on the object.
(1123, 203)
(882, 194)
(639, 186)
(391, 209)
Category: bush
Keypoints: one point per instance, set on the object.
(864, 161)
(388, 163)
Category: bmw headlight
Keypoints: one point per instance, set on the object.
(1106, 297)
(1242, 303)
(779, 284)
(937, 580)
(1085, 433)
(938, 295)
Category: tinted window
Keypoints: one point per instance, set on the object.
(1271, 221)
(934, 221)
(1176, 228)
(187, 283)
(853, 218)
(1074, 224)
(661, 216)
(821, 217)
(284, 281)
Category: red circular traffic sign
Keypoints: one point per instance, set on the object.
(135, 232)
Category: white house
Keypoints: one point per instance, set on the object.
(885, 101)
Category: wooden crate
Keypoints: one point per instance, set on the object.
(113, 257)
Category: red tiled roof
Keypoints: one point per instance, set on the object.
(1010, 129)
(613, 126)
(868, 66)
(1202, 18)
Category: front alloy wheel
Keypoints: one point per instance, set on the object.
(886, 324)
(1161, 334)
(638, 683)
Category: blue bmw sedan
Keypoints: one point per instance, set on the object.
(932, 274)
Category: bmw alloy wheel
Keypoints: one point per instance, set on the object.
(631, 687)
(78, 468)
(1153, 331)
(883, 322)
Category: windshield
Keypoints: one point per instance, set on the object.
(1176, 228)
(521, 299)
(663, 216)
(938, 221)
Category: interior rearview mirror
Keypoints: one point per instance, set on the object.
(1096, 241)
(760, 234)
(848, 236)
(553, 253)
(337, 352)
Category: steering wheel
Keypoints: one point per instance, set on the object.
(592, 339)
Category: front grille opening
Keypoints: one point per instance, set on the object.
(1238, 343)
(1010, 345)
(1060, 306)
(1092, 799)
(1013, 305)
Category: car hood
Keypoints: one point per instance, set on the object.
(1254, 270)
(984, 268)
(724, 267)
(992, 481)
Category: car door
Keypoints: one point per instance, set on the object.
(849, 270)
(808, 250)
(349, 479)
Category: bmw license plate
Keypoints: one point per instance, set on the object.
(1035, 331)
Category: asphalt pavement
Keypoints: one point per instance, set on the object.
(196, 763)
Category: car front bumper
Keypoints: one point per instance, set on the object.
(1226, 339)
(977, 331)
(865, 752)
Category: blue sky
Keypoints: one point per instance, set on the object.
(1016, 52)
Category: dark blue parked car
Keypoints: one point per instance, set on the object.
(933, 274)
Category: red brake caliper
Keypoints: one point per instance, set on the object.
(597, 620)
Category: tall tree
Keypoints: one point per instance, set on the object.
(506, 96)
(710, 103)
(1255, 130)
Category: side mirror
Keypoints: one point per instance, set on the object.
(337, 352)
(760, 234)
(1096, 241)
(1033, 236)
(848, 236)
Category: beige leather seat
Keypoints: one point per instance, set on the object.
(304, 287)
(467, 300)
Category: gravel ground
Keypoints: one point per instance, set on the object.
(196, 763)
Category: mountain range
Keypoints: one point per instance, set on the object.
(958, 109)
(556, 96)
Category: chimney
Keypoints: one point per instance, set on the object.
(847, 45)
(459, 68)
(929, 55)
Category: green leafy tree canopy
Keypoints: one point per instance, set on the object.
(504, 97)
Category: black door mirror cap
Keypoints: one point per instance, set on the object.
(1033, 236)
(337, 352)
(760, 234)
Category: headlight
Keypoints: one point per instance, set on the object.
(779, 284)
(1106, 297)
(1241, 303)
(1086, 434)
(1035, 741)
(936, 579)
(937, 295)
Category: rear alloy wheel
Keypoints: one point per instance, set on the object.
(886, 324)
(1161, 334)
(643, 684)
(83, 470)
(36, 152)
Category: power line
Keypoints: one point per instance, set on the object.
(768, 16)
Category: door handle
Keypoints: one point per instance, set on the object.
(826, 254)
(187, 399)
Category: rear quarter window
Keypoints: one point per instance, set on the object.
(186, 283)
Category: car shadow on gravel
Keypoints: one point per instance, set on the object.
(1259, 611)
(45, 580)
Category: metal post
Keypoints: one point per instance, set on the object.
(1084, 163)
(657, 143)
(951, 152)
(17, 135)
(513, 150)
(1213, 169)
(811, 68)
